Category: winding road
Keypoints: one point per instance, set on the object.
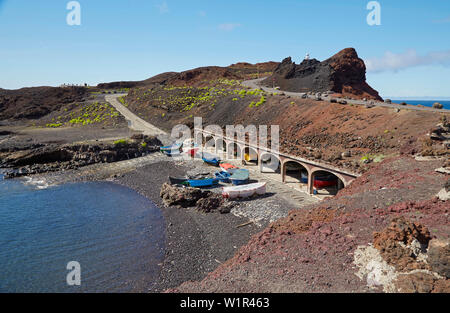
(255, 84)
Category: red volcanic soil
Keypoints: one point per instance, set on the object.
(312, 129)
(199, 76)
(312, 250)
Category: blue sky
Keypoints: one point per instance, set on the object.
(407, 55)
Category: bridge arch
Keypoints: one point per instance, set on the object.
(220, 145)
(209, 141)
(234, 151)
(293, 171)
(325, 182)
(251, 155)
(269, 163)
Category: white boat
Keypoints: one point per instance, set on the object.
(244, 191)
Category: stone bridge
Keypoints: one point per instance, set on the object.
(269, 160)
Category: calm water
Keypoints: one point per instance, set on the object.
(115, 234)
(427, 103)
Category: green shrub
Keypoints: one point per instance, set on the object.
(120, 142)
(54, 125)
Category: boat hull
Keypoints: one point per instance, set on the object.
(223, 176)
(200, 183)
(244, 191)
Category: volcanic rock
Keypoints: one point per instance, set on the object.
(421, 282)
(181, 196)
(400, 244)
(343, 73)
(439, 256)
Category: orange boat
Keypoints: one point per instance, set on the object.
(227, 166)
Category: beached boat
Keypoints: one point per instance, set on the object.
(177, 181)
(210, 159)
(227, 167)
(190, 147)
(244, 191)
(304, 177)
(223, 176)
(239, 176)
(172, 153)
(323, 181)
(205, 182)
(173, 147)
(172, 150)
(191, 151)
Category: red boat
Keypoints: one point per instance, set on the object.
(192, 151)
(325, 181)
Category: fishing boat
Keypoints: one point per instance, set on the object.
(210, 159)
(223, 176)
(205, 182)
(304, 177)
(177, 181)
(190, 147)
(239, 176)
(172, 153)
(244, 191)
(191, 151)
(171, 150)
(323, 181)
(227, 167)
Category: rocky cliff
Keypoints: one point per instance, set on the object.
(344, 73)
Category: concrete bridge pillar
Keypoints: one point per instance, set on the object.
(310, 183)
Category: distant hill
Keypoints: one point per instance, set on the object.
(35, 102)
(199, 76)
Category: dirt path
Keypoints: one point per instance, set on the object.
(255, 84)
(134, 121)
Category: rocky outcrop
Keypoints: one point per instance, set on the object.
(404, 259)
(49, 158)
(402, 243)
(344, 73)
(203, 201)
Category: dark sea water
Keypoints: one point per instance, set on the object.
(115, 234)
(427, 103)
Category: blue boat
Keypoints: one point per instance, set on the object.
(304, 177)
(210, 159)
(199, 183)
(171, 149)
(223, 176)
(172, 153)
(239, 176)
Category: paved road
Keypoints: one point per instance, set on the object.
(134, 121)
(255, 84)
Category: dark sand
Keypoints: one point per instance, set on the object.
(196, 243)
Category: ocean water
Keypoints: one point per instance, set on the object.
(427, 103)
(116, 235)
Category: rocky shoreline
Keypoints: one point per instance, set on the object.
(34, 158)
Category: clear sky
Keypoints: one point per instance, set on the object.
(407, 55)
